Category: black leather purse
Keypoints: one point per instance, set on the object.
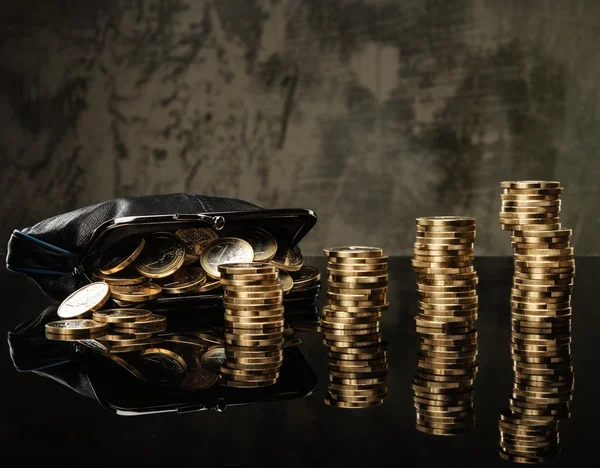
(60, 253)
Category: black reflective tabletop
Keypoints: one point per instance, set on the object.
(43, 421)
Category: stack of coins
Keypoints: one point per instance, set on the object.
(254, 324)
(357, 295)
(544, 269)
(185, 262)
(446, 366)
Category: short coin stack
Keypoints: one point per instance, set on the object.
(254, 324)
(544, 269)
(357, 295)
(446, 366)
(112, 330)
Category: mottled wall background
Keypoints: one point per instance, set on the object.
(370, 112)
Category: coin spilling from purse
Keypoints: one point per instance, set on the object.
(139, 341)
(186, 263)
(253, 274)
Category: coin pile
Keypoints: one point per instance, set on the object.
(357, 356)
(446, 366)
(186, 261)
(254, 324)
(544, 268)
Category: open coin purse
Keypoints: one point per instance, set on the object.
(61, 253)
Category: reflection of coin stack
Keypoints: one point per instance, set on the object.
(253, 301)
(540, 322)
(357, 294)
(446, 367)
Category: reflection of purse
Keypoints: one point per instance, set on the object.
(94, 375)
(60, 253)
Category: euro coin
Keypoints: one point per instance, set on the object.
(121, 315)
(225, 251)
(75, 327)
(162, 256)
(262, 242)
(121, 255)
(196, 239)
(184, 280)
(137, 292)
(288, 259)
(84, 301)
(123, 277)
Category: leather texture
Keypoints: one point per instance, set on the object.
(73, 232)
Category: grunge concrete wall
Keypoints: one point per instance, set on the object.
(370, 112)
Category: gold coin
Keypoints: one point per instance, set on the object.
(445, 221)
(247, 379)
(358, 261)
(121, 315)
(131, 348)
(82, 302)
(184, 280)
(196, 239)
(238, 384)
(424, 232)
(166, 358)
(125, 339)
(95, 345)
(254, 268)
(531, 226)
(444, 241)
(74, 337)
(155, 320)
(353, 251)
(358, 310)
(510, 210)
(357, 266)
(288, 259)
(449, 264)
(210, 285)
(224, 251)
(529, 197)
(121, 255)
(263, 243)
(163, 255)
(447, 271)
(125, 365)
(538, 240)
(247, 301)
(445, 288)
(214, 359)
(75, 327)
(553, 233)
(137, 292)
(287, 283)
(305, 276)
(358, 279)
(530, 203)
(530, 184)
(276, 292)
(123, 277)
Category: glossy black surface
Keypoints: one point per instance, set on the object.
(43, 421)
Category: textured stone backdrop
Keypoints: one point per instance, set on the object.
(370, 112)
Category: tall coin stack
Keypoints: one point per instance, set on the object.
(254, 324)
(357, 295)
(544, 268)
(446, 366)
